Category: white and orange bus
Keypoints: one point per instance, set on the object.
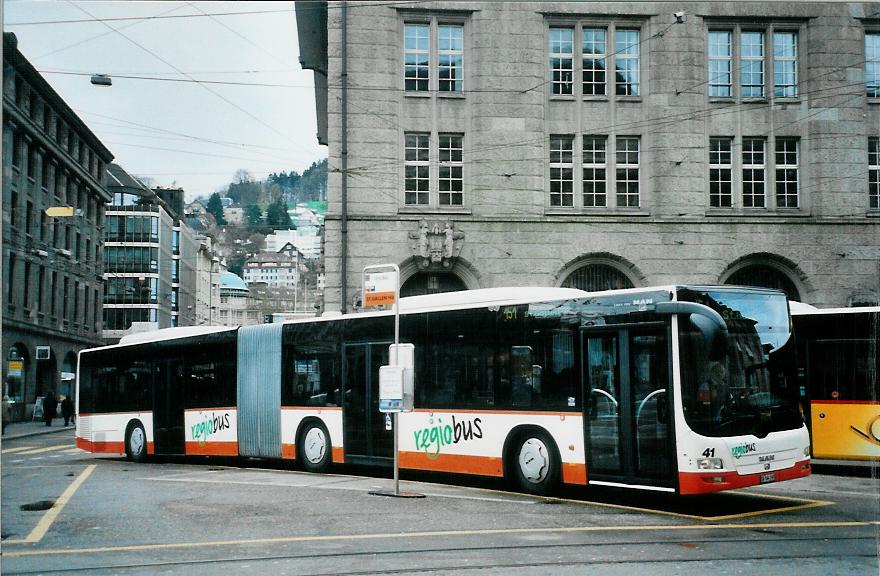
(839, 375)
(686, 389)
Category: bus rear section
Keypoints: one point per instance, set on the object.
(838, 367)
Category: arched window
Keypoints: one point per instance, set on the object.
(596, 277)
(763, 276)
(431, 283)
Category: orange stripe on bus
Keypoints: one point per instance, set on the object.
(288, 451)
(212, 448)
(574, 473)
(100, 447)
(151, 448)
(338, 455)
(702, 482)
(496, 412)
(480, 465)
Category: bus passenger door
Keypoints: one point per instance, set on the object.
(365, 431)
(168, 423)
(627, 424)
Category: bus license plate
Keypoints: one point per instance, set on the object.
(769, 477)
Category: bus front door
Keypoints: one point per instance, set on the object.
(168, 423)
(366, 435)
(627, 424)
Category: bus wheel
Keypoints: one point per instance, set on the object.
(136, 442)
(536, 463)
(313, 448)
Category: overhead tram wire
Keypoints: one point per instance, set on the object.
(203, 14)
(205, 87)
(90, 38)
(186, 80)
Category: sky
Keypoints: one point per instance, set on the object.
(191, 133)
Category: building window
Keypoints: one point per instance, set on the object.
(561, 171)
(874, 173)
(872, 64)
(596, 277)
(593, 49)
(787, 173)
(16, 149)
(28, 217)
(53, 305)
(720, 64)
(627, 171)
(561, 60)
(753, 172)
(627, 62)
(785, 77)
(13, 209)
(41, 281)
(738, 62)
(448, 56)
(450, 177)
(720, 172)
(417, 169)
(594, 170)
(10, 280)
(26, 285)
(752, 67)
(416, 54)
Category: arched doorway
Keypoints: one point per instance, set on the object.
(594, 277)
(422, 283)
(764, 276)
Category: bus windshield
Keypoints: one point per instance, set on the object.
(742, 384)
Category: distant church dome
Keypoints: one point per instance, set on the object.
(232, 285)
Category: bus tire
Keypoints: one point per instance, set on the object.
(313, 447)
(136, 442)
(535, 463)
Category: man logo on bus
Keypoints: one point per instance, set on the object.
(743, 449)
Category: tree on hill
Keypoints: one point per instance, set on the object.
(215, 208)
(253, 215)
(277, 216)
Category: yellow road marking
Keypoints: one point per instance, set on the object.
(46, 521)
(19, 449)
(440, 533)
(46, 449)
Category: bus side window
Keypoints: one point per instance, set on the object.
(521, 375)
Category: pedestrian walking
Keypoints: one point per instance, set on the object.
(50, 405)
(67, 410)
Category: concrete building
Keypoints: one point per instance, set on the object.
(52, 265)
(488, 144)
(150, 261)
(279, 269)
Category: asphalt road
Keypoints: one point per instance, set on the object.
(66, 511)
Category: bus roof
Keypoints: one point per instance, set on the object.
(801, 309)
(166, 334)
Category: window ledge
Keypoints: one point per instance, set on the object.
(757, 213)
(416, 94)
(433, 210)
(599, 211)
(562, 97)
(620, 98)
(451, 95)
(873, 101)
(596, 98)
(721, 100)
(873, 213)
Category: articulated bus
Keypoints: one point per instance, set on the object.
(686, 389)
(838, 369)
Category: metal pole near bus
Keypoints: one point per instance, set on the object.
(381, 286)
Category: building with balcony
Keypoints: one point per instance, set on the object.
(149, 258)
(53, 212)
(600, 144)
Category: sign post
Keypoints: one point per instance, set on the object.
(382, 288)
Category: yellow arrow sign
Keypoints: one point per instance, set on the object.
(59, 211)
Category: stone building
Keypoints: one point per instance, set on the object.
(53, 212)
(600, 144)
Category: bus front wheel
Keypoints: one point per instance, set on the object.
(535, 464)
(314, 448)
(136, 442)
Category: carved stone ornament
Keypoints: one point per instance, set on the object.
(436, 244)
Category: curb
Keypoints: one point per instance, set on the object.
(36, 433)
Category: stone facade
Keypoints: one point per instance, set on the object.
(527, 140)
(52, 265)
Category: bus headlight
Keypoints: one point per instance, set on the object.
(710, 463)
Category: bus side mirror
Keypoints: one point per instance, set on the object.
(709, 322)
